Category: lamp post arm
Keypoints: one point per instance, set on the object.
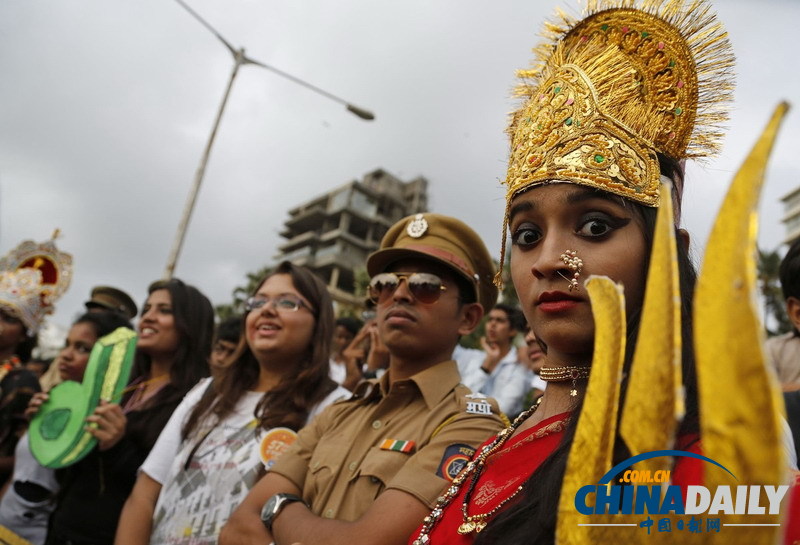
(360, 112)
(198, 177)
(206, 24)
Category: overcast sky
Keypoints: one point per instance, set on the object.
(105, 107)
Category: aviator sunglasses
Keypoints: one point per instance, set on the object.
(424, 287)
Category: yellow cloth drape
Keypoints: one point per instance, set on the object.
(739, 400)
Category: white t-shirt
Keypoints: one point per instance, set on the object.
(202, 485)
(338, 371)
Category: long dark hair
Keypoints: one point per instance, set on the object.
(26, 346)
(302, 387)
(194, 322)
(532, 520)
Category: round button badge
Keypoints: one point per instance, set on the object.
(274, 443)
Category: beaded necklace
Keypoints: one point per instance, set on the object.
(9, 365)
(472, 523)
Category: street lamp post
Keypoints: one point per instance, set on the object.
(239, 59)
(177, 245)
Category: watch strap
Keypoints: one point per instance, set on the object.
(282, 501)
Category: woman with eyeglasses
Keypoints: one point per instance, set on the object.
(226, 433)
(175, 331)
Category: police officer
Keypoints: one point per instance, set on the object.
(106, 298)
(371, 468)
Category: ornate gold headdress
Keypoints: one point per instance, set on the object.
(610, 91)
(21, 297)
(33, 276)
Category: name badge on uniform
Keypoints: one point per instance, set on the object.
(477, 404)
(274, 443)
(397, 445)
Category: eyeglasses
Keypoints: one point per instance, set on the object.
(286, 303)
(425, 287)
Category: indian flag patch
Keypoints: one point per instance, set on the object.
(398, 445)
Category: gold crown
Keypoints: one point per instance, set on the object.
(21, 296)
(615, 88)
(54, 265)
(31, 296)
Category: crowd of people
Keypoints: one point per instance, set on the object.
(288, 424)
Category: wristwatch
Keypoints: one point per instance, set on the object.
(275, 505)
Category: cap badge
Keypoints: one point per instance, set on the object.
(417, 227)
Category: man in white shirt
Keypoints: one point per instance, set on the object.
(496, 371)
(532, 357)
(783, 351)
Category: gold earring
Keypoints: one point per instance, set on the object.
(574, 264)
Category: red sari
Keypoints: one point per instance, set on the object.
(506, 469)
(503, 472)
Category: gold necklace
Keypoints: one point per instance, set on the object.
(563, 374)
(472, 523)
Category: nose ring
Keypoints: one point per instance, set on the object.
(574, 264)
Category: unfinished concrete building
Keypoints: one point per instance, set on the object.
(334, 233)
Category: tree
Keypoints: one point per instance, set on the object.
(769, 284)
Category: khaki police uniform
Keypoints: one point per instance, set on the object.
(342, 462)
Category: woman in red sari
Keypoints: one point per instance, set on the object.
(618, 101)
(529, 462)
